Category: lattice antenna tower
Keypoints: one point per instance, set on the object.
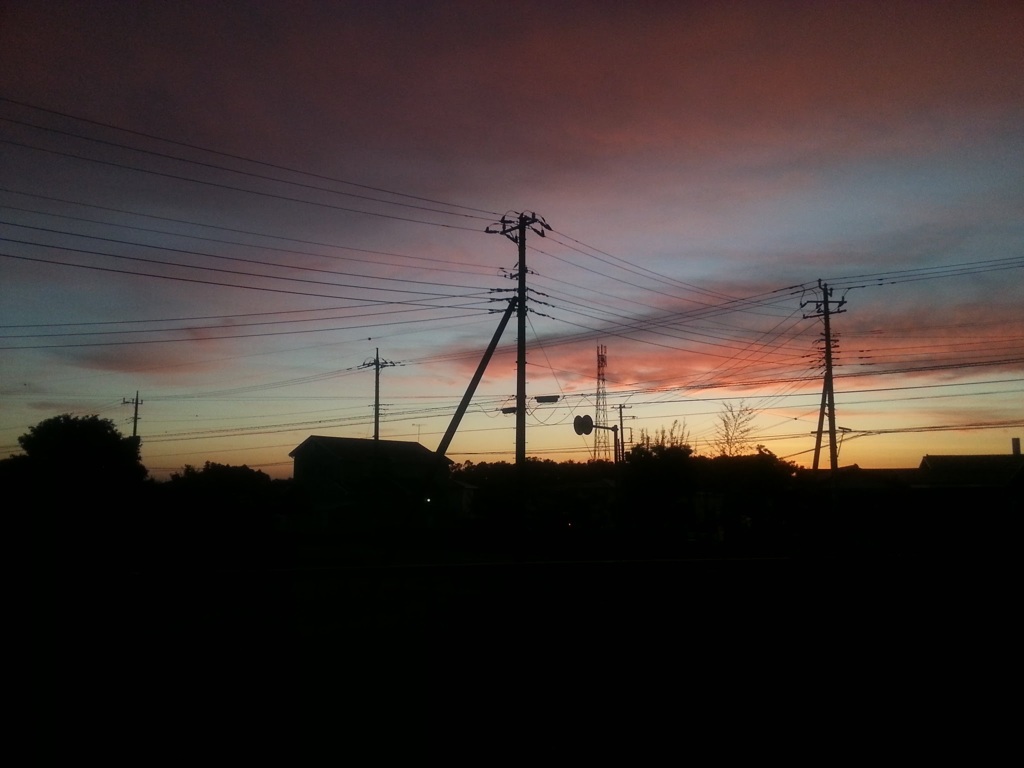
(602, 448)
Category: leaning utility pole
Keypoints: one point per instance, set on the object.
(515, 230)
(135, 419)
(446, 441)
(377, 364)
(828, 396)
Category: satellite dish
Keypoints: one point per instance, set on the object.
(583, 425)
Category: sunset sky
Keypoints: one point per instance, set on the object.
(229, 207)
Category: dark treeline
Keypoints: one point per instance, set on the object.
(84, 484)
(88, 495)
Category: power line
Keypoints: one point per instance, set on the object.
(158, 262)
(221, 257)
(242, 158)
(462, 266)
(229, 187)
(241, 173)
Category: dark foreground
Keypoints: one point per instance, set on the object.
(319, 657)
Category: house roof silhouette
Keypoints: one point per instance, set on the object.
(353, 447)
(987, 471)
(993, 471)
(357, 483)
(356, 455)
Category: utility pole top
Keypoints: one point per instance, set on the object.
(511, 224)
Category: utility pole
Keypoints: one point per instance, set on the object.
(622, 434)
(515, 230)
(377, 364)
(135, 419)
(828, 396)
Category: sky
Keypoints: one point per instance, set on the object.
(222, 214)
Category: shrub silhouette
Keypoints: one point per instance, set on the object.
(222, 485)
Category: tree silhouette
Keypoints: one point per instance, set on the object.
(82, 450)
(84, 483)
(673, 443)
(732, 437)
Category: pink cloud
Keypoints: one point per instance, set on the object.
(572, 85)
(156, 362)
